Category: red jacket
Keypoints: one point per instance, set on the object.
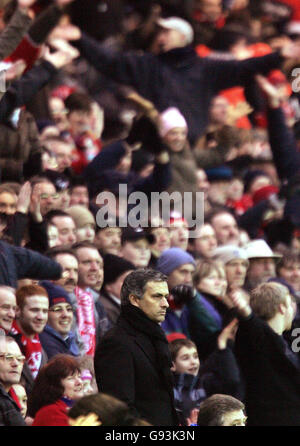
(52, 415)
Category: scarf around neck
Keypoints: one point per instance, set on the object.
(138, 320)
(32, 349)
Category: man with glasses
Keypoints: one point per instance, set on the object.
(11, 365)
(44, 191)
(57, 336)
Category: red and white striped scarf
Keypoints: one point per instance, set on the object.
(32, 349)
(86, 320)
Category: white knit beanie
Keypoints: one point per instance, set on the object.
(169, 119)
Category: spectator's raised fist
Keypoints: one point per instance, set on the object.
(183, 294)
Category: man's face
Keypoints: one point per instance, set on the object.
(234, 418)
(7, 309)
(69, 265)
(236, 271)
(226, 229)
(115, 287)
(154, 302)
(137, 252)
(187, 361)
(64, 154)
(291, 273)
(108, 240)
(90, 268)
(79, 195)
(162, 240)
(10, 366)
(66, 230)
(219, 110)
(260, 270)
(212, 9)
(179, 235)
(206, 242)
(63, 200)
(181, 276)
(218, 192)
(34, 315)
(61, 318)
(47, 195)
(176, 138)
(168, 39)
(80, 122)
(8, 203)
(202, 182)
(59, 113)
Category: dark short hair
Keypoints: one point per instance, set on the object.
(177, 344)
(218, 210)
(55, 213)
(84, 244)
(213, 409)
(288, 259)
(135, 283)
(60, 250)
(78, 101)
(110, 410)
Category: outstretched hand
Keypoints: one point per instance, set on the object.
(240, 302)
(227, 333)
(274, 96)
(24, 198)
(65, 54)
(193, 418)
(66, 32)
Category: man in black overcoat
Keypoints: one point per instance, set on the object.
(132, 361)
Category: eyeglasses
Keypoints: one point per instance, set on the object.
(46, 196)
(60, 310)
(9, 358)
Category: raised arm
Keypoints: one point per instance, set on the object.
(226, 74)
(16, 28)
(21, 91)
(282, 141)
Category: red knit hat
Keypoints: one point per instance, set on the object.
(172, 336)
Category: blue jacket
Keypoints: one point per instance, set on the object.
(53, 343)
(19, 263)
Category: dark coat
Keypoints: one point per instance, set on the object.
(125, 367)
(272, 379)
(19, 263)
(111, 307)
(10, 414)
(17, 144)
(177, 78)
